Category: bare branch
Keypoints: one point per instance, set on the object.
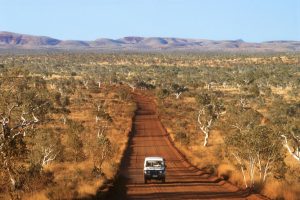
(48, 156)
(35, 119)
(11, 109)
(177, 95)
(238, 159)
(101, 131)
(205, 127)
(85, 83)
(293, 153)
(237, 127)
(132, 86)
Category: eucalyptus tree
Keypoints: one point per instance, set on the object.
(211, 108)
(46, 147)
(74, 141)
(255, 148)
(24, 105)
(102, 149)
(285, 118)
(178, 89)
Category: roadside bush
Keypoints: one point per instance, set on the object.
(182, 138)
(74, 141)
(123, 95)
(162, 93)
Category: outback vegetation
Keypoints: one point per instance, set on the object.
(62, 136)
(65, 118)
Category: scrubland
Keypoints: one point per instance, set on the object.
(66, 118)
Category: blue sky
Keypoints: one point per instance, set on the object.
(250, 20)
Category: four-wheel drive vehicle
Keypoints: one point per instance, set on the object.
(154, 168)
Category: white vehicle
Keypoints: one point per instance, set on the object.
(155, 168)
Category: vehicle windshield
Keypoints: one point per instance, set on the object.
(154, 163)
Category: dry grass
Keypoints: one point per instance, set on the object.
(225, 170)
(89, 188)
(36, 196)
(197, 154)
(284, 92)
(281, 190)
(75, 179)
(206, 156)
(174, 115)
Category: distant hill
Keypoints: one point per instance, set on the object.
(12, 41)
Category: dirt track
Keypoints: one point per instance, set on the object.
(183, 181)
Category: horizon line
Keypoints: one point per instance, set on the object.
(135, 36)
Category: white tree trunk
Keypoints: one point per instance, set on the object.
(178, 95)
(266, 171)
(48, 156)
(12, 180)
(208, 86)
(259, 166)
(205, 128)
(243, 103)
(131, 86)
(64, 119)
(295, 153)
(224, 85)
(251, 169)
(85, 83)
(242, 168)
(205, 139)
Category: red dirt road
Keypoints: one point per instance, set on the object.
(183, 181)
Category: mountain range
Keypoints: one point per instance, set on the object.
(16, 41)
